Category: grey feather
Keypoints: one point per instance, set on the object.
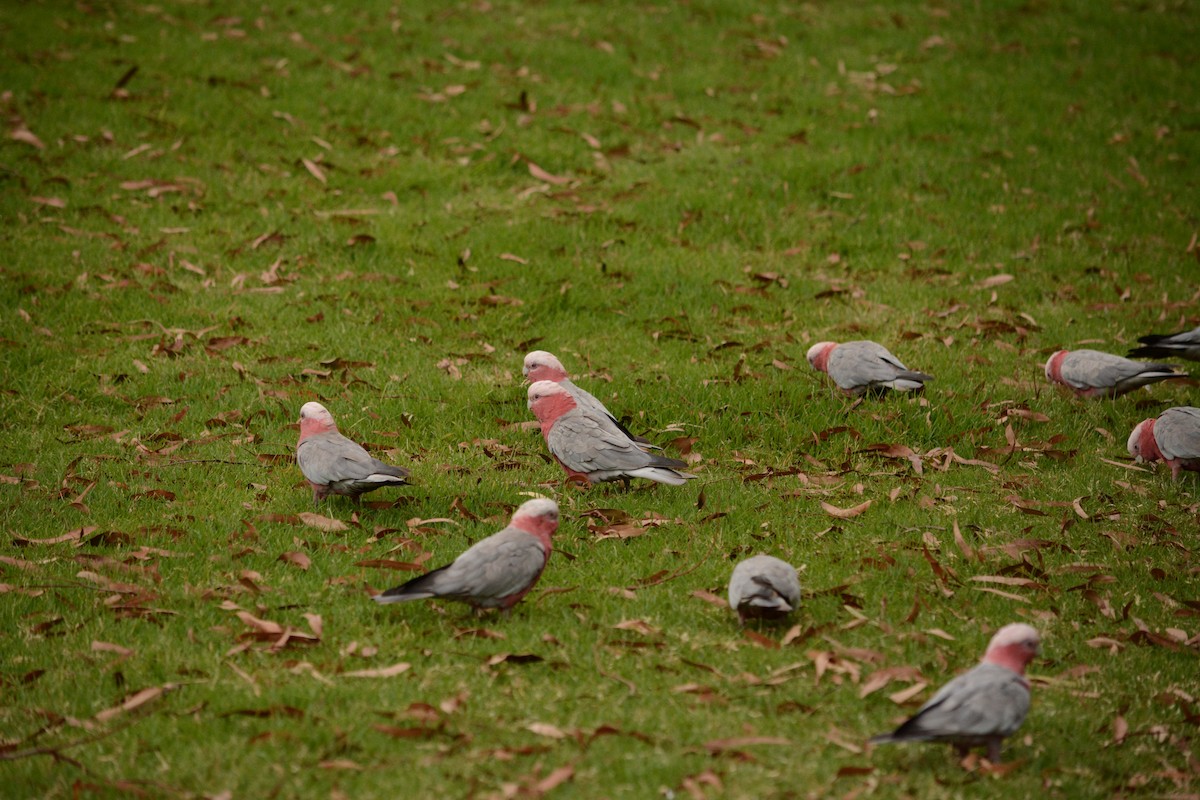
(764, 586)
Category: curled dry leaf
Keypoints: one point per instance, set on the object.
(845, 513)
(543, 175)
(382, 672)
(547, 730)
(319, 522)
(298, 559)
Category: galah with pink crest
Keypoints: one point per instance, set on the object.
(1091, 373)
(1185, 344)
(864, 367)
(542, 366)
(982, 706)
(1173, 437)
(495, 572)
(590, 447)
(333, 464)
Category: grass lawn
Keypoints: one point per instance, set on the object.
(215, 212)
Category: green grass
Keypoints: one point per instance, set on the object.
(734, 184)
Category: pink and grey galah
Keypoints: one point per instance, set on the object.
(542, 366)
(982, 706)
(333, 464)
(590, 447)
(763, 587)
(495, 572)
(1173, 437)
(1185, 344)
(861, 367)
(1091, 373)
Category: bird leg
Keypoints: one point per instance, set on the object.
(993, 748)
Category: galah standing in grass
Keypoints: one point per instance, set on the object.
(334, 464)
(765, 587)
(1174, 437)
(589, 446)
(495, 572)
(1170, 345)
(981, 706)
(861, 367)
(542, 366)
(1090, 373)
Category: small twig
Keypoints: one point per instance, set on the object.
(612, 676)
(681, 573)
(13, 755)
(207, 461)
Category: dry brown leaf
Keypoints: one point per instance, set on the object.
(319, 522)
(638, 625)
(994, 280)
(904, 695)
(845, 513)
(543, 175)
(135, 700)
(721, 745)
(547, 730)
(314, 170)
(556, 778)
(381, 672)
(712, 599)
(299, 559)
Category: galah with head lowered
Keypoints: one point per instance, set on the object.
(982, 706)
(333, 464)
(589, 446)
(1090, 373)
(861, 367)
(1173, 437)
(495, 572)
(542, 366)
(763, 587)
(1185, 344)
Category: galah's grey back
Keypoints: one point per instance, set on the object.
(1185, 344)
(542, 365)
(985, 702)
(1092, 373)
(495, 572)
(864, 366)
(334, 464)
(590, 443)
(981, 706)
(1177, 433)
(763, 586)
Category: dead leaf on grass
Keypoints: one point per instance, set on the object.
(845, 513)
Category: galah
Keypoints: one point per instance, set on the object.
(1090, 373)
(763, 587)
(1185, 344)
(333, 464)
(589, 446)
(983, 705)
(861, 367)
(1173, 437)
(495, 572)
(542, 366)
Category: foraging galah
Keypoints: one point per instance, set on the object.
(861, 367)
(981, 706)
(1170, 345)
(495, 572)
(765, 587)
(589, 446)
(542, 366)
(1090, 373)
(334, 464)
(1174, 437)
